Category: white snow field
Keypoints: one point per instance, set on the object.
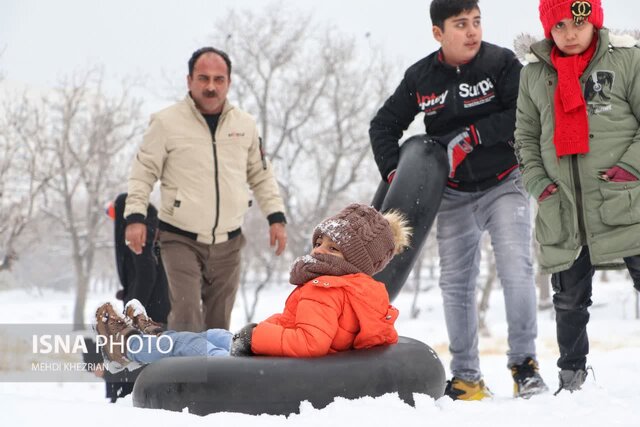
(609, 398)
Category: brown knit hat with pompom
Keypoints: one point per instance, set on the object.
(365, 237)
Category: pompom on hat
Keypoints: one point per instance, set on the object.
(554, 11)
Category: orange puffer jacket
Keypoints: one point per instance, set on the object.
(329, 314)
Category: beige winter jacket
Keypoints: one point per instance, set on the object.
(204, 181)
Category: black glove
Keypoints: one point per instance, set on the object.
(241, 341)
(458, 144)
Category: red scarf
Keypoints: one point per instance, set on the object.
(571, 134)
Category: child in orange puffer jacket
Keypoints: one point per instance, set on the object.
(335, 306)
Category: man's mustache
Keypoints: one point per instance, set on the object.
(210, 93)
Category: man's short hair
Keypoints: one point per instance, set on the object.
(208, 49)
(440, 10)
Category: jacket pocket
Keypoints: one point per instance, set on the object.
(182, 212)
(549, 229)
(621, 203)
(168, 197)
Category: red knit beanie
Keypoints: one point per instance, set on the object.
(363, 236)
(554, 11)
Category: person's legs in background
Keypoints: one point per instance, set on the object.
(633, 266)
(508, 221)
(505, 212)
(221, 281)
(458, 238)
(183, 262)
(571, 300)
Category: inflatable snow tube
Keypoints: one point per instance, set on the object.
(416, 191)
(277, 385)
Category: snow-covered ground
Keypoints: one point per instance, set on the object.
(609, 397)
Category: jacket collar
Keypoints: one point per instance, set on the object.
(192, 105)
(459, 68)
(541, 51)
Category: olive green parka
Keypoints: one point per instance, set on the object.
(586, 210)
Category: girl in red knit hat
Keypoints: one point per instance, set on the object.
(336, 304)
(578, 144)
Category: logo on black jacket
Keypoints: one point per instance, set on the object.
(430, 104)
(477, 94)
(597, 91)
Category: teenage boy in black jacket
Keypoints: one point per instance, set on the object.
(467, 91)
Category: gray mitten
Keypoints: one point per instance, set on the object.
(241, 341)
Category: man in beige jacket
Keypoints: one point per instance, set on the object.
(207, 155)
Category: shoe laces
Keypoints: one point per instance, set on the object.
(145, 320)
(526, 369)
(110, 319)
(141, 321)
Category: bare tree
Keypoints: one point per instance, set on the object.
(313, 91)
(260, 269)
(22, 173)
(83, 141)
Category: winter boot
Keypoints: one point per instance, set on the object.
(135, 312)
(458, 389)
(571, 380)
(527, 380)
(116, 331)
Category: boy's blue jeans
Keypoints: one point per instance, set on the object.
(503, 211)
(150, 348)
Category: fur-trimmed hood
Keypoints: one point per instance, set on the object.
(615, 41)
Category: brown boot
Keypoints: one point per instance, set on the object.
(136, 313)
(116, 332)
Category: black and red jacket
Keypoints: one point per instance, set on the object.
(482, 93)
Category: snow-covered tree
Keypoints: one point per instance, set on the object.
(22, 175)
(84, 140)
(313, 91)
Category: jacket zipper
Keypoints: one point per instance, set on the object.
(216, 183)
(578, 189)
(454, 93)
(467, 164)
